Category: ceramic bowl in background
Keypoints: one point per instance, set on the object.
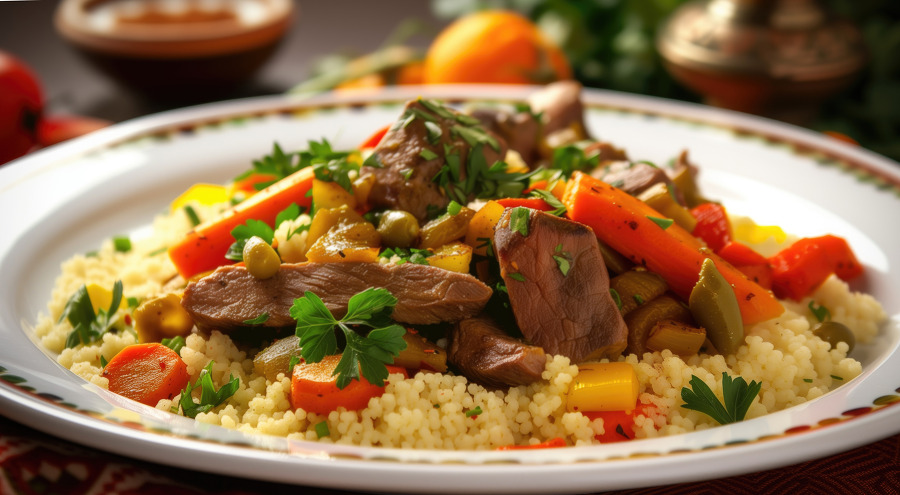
(170, 49)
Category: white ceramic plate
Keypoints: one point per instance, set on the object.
(65, 199)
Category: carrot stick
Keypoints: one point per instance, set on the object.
(627, 225)
(314, 388)
(204, 248)
(146, 373)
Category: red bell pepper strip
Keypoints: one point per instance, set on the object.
(801, 267)
(376, 137)
(712, 225)
(618, 426)
(752, 264)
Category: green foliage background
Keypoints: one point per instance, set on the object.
(611, 45)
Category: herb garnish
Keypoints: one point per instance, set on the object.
(618, 299)
(664, 223)
(192, 215)
(519, 217)
(571, 158)
(411, 255)
(278, 164)
(122, 244)
(559, 209)
(471, 413)
(258, 228)
(174, 343)
(563, 260)
(738, 396)
(259, 320)
(820, 312)
(209, 396)
(453, 208)
(88, 326)
(517, 276)
(322, 429)
(427, 154)
(371, 308)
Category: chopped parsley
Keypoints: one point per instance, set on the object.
(638, 299)
(103, 361)
(322, 429)
(278, 164)
(174, 343)
(820, 312)
(368, 353)
(89, 326)
(571, 158)
(295, 360)
(411, 255)
(209, 396)
(427, 154)
(517, 276)
(618, 299)
(563, 260)
(738, 395)
(519, 218)
(559, 209)
(192, 215)
(259, 320)
(258, 228)
(122, 244)
(471, 413)
(454, 208)
(663, 223)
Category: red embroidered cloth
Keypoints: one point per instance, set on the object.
(34, 463)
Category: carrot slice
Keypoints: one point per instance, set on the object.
(146, 373)
(634, 229)
(203, 249)
(314, 388)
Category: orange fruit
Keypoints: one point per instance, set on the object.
(494, 46)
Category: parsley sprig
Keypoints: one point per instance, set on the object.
(372, 309)
(738, 395)
(210, 397)
(258, 228)
(329, 165)
(411, 255)
(87, 326)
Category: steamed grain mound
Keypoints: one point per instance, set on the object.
(429, 410)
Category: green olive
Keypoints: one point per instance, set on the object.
(260, 258)
(834, 332)
(398, 228)
(716, 309)
(160, 318)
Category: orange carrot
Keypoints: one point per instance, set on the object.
(146, 373)
(203, 249)
(248, 184)
(752, 264)
(314, 388)
(629, 226)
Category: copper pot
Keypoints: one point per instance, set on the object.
(778, 58)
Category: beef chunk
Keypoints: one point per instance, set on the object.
(560, 104)
(631, 177)
(558, 285)
(425, 294)
(484, 354)
(520, 130)
(427, 136)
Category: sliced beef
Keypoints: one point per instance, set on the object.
(230, 296)
(558, 285)
(520, 130)
(404, 179)
(605, 152)
(631, 177)
(484, 354)
(560, 104)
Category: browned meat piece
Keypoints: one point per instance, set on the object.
(560, 104)
(520, 130)
(486, 355)
(605, 152)
(405, 179)
(558, 285)
(631, 177)
(426, 294)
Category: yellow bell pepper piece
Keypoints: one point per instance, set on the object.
(481, 227)
(100, 297)
(455, 257)
(204, 194)
(603, 387)
(748, 231)
(331, 195)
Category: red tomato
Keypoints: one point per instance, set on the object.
(58, 128)
(21, 105)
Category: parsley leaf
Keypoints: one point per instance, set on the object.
(663, 223)
(174, 343)
(278, 164)
(258, 228)
(571, 158)
(519, 219)
(738, 395)
(209, 396)
(820, 312)
(87, 326)
(559, 209)
(367, 354)
(259, 320)
(411, 255)
(122, 244)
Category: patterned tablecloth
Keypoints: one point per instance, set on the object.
(34, 463)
